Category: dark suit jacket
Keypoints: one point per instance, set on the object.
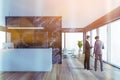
(87, 47)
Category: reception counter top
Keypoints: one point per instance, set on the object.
(26, 59)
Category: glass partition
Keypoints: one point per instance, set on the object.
(92, 41)
(103, 37)
(72, 41)
(115, 43)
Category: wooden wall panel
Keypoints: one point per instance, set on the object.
(112, 16)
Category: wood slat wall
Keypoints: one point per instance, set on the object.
(110, 17)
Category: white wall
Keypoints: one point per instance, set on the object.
(4, 11)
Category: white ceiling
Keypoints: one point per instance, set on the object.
(75, 13)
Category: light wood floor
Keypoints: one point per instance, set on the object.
(70, 69)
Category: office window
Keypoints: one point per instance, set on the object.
(88, 33)
(92, 41)
(2, 38)
(63, 40)
(103, 37)
(72, 41)
(115, 43)
(94, 33)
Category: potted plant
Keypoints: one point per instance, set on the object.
(80, 44)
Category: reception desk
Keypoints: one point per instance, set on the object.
(26, 59)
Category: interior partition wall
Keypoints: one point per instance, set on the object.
(36, 32)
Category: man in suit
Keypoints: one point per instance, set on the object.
(87, 54)
(98, 46)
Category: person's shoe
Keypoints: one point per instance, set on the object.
(84, 67)
(89, 69)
